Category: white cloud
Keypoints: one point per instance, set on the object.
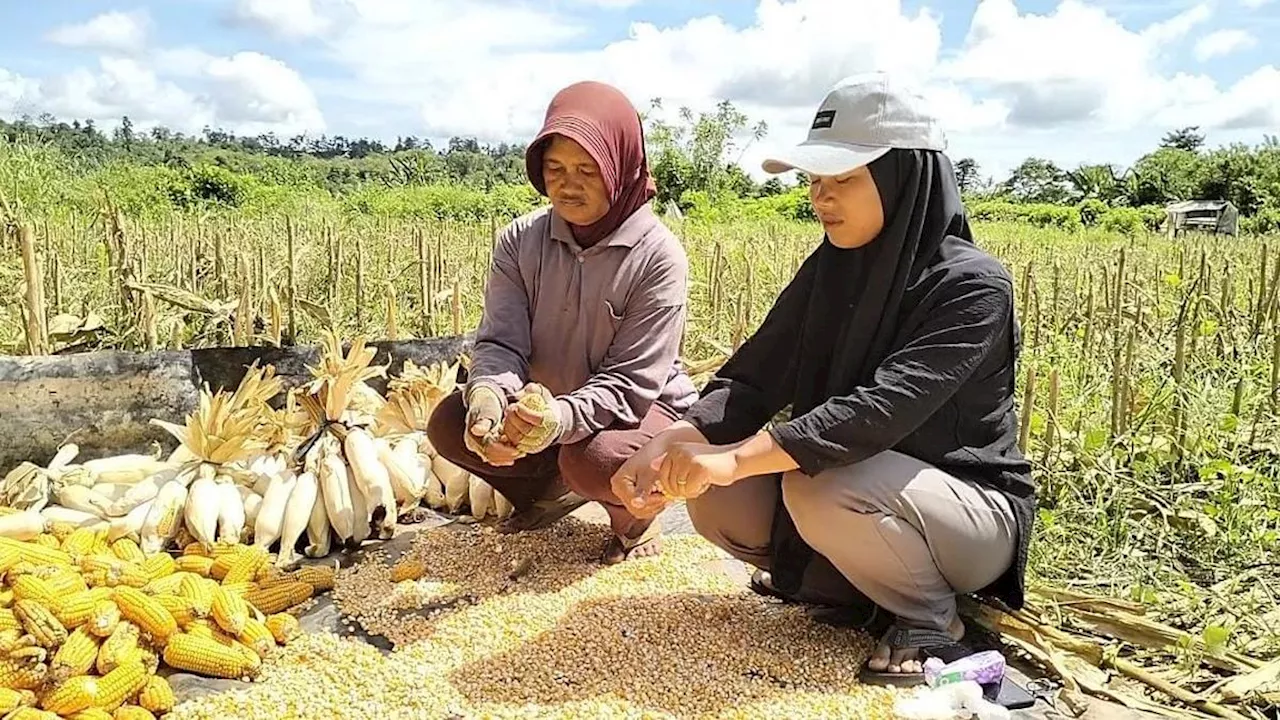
(257, 94)
(1254, 4)
(291, 19)
(1223, 42)
(117, 32)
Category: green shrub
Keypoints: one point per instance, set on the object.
(1091, 211)
(1127, 221)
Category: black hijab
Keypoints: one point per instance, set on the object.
(856, 296)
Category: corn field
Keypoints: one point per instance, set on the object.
(1149, 372)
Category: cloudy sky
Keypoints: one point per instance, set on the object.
(1075, 81)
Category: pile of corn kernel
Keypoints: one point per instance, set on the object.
(530, 626)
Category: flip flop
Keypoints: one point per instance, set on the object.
(626, 546)
(542, 514)
(761, 584)
(929, 643)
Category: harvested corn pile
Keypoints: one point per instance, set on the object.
(529, 626)
(86, 623)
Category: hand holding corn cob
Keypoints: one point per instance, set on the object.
(533, 423)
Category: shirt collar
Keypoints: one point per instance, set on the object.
(630, 232)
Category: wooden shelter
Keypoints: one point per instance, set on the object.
(1219, 217)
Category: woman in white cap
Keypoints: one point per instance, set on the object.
(896, 484)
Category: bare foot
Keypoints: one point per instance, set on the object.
(618, 549)
(907, 660)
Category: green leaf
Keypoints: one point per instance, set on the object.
(1215, 638)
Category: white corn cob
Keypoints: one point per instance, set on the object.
(456, 481)
(275, 502)
(130, 525)
(408, 476)
(319, 531)
(336, 490)
(143, 491)
(252, 502)
(502, 507)
(202, 507)
(374, 481)
(299, 510)
(359, 511)
(84, 499)
(230, 511)
(22, 525)
(171, 499)
(480, 496)
(435, 492)
(130, 468)
(56, 514)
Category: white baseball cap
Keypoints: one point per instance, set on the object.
(863, 117)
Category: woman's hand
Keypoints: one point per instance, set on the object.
(635, 483)
(689, 469)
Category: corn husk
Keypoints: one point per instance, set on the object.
(164, 519)
(359, 511)
(84, 499)
(456, 481)
(405, 470)
(480, 496)
(373, 480)
(275, 503)
(23, 525)
(130, 525)
(502, 507)
(230, 511)
(319, 531)
(252, 502)
(335, 487)
(301, 507)
(200, 514)
(58, 515)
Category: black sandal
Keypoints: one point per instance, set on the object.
(761, 585)
(929, 643)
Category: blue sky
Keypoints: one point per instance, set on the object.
(1012, 77)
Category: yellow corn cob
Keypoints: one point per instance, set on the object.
(76, 656)
(23, 676)
(91, 714)
(229, 611)
(8, 620)
(117, 647)
(269, 574)
(121, 684)
(40, 623)
(76, 694)
(257, 637)
(319, 577)
(284, 627)
(244, 565)
(132, 712)
(6, 597)
(101, 541)
(11, 700)
(80, 542)
(198, 564)
(78, 609)
(62, 581)
(36, 553)
(22, 567)
(166, 585)
(105, 617)
(48, 540)
(126, 549)
(61, 530)
(278, 598)
(11, 638)
(160, 565)
(9, 556)
(181, 608)
(199, 591)
(407, 569)
(145, 655)
(30, 713)
(157, 695)
(30, 587)
(222, 564)
(28, 652)
(207, 657)
(239, 589)
(146, 612)
(114, 570)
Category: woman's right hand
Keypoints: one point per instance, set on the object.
(635, 483)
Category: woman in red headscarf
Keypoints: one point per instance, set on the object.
(585, 307)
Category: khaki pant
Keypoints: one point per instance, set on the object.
(904, 533)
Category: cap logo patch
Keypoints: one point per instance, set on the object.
(824, 119)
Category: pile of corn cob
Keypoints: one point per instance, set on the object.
(86, 623)
(333, 466)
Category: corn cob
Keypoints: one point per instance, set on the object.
(120, 684)
(181, 608)
(40, 623)
(62, 581)
(132, 712)
(159, 565)
(257, 637)
(117, 647)
(76, 694)
(126, 549)
(101, 541)
(231, 519)
(105, 617)
(244, 565)
(11, 638)
(48, 540)
(111, 571)
(80, 542)
(31, 713)
(28, 652)
(200, 512)
(11, 700)
(6, 597)
(76, 656)
(269, 574)
(9, 620)
(23, 525)
(91, 714)
(78, 609)
(157, 695)
(278, 598)
(222, 564)
(239, 589)
(208, 657)
(30, 587)
(164, 518)
(146, 612)
(199, 591)
(407, 569)
(23, 676)
(319, 577)
(284, 627)
(200, 565)
(166, 585)
(230, 611)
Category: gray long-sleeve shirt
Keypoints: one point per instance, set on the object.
(599, 327)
